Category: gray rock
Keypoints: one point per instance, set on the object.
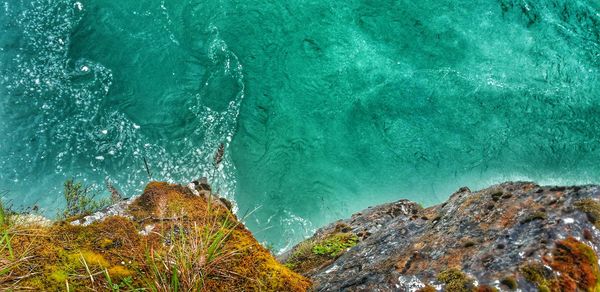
(489, 236)
(117, 209)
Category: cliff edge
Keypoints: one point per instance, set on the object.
(170, 238)
(512, 236)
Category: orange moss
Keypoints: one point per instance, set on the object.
(577, 264)
(454, 257)
(574, 268)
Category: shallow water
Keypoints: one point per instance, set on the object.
(323, 108)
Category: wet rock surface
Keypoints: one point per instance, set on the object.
(515, 235)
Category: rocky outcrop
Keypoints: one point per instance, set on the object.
(513, 236)
(509, 236)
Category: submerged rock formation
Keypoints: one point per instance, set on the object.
(507, 237)
(171, 238)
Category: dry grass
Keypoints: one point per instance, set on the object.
(15, 264)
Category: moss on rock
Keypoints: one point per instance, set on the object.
(591, 208)
(455, 280)
(335, 244)
(573, 266)
(313, 254)
(577, 264)
(537, 274)
(509, 282)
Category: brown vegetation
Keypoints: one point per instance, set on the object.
(169, 240)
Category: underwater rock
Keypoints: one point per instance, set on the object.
(516, 235)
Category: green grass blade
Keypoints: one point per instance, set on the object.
(175, 280)
(3, 220)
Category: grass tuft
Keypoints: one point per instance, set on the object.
(14, 262)
(81, 200)
(194, 255)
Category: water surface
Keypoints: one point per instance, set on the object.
(323, 108)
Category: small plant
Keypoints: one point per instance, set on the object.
(81, 200)
(591, 208)
(302, 256)
(126, 283)
(335, 245)
(537, 274)
(455, 280)
(314, 253)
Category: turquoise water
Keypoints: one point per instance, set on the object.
(324, 108)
